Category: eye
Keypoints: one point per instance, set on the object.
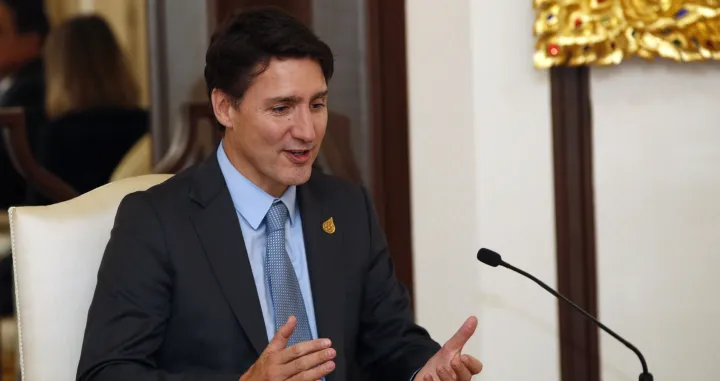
(280, 109)
(318, 105)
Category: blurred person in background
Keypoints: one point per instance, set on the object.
(23, 28)
(92, 103)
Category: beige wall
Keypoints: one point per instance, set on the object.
(479, 119)
(657, 193)
(58, 10)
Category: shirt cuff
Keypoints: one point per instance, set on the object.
(415, 374)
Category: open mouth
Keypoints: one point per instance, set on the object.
(298, 157)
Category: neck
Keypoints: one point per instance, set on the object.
(246, 169)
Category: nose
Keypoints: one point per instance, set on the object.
(304, 127)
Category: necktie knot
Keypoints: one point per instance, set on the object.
(276, 216)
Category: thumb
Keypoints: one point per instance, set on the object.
(457, 342)
(282, 336)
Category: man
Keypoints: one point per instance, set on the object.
(23, 28)
(246, 267)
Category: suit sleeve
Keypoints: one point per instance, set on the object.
(132, 301)
(392, 346)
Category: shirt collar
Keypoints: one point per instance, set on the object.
(249, 200)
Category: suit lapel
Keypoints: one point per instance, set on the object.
(217, 225)
(323, 250)
(219, 230)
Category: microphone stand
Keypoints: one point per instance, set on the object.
(644, 376)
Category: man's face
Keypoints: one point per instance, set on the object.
(16, 49)
(274, 134)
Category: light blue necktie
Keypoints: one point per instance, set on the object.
(280, 276)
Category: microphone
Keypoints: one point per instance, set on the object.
(494, 259)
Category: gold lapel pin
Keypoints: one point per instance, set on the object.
(329, 226)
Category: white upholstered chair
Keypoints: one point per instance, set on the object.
(57, 251)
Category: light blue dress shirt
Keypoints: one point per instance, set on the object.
(252, 204)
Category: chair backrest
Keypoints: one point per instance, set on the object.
(57, 251)
(136, 162)
(186, 143)
(337, 149)
(12, 126)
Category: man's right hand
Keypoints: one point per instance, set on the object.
(306, 361)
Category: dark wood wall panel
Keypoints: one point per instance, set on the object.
(389, 120)
(575, 221)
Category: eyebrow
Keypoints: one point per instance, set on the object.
(320, 95)
(295, 98)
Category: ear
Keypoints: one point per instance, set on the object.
(222, 104)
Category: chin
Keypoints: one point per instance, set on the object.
(297, 176)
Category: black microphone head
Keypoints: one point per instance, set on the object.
(489, 257)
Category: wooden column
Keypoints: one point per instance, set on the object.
(389, 129)
(575, 221)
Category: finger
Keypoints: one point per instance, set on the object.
(445, 373)
(280, 340)
(308, 362)
(462, 372)
(461, 337)
(315, 373)
(427, 378)
(302, 349)
(474, 365)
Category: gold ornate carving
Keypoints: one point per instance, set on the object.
(604, 32)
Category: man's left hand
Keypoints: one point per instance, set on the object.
(449, 364)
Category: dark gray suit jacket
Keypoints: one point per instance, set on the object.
(176, 300)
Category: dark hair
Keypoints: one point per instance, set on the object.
(243, 45)
(29, 16)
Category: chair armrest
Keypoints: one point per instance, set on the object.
(12, 123)
(337, 149)
(185, 147)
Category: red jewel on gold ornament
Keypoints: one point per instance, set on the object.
(578, 22)
(553, 49)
